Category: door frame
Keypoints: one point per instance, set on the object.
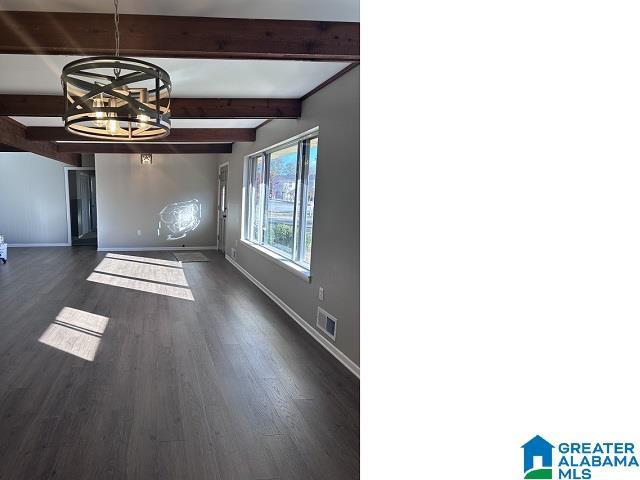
(225, 164)
(66, 195)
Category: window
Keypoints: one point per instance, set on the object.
(280, 193)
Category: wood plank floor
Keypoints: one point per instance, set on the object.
(224, 386)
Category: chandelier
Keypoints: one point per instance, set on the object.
(116, 98)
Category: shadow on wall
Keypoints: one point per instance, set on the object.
(177, 220)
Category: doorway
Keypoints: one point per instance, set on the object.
(81, 206)
(223, 174)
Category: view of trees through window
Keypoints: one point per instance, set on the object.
(280, 199)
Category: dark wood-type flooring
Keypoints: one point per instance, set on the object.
(223, 387)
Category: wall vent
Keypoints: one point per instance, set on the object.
(327, 323)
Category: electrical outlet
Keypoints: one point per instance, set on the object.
(139, 232)
(321, 294)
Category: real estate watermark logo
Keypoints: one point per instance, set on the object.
(538, 449)
(577, 460)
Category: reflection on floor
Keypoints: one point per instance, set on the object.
(76, 332)
(151, 275)
(90, 238)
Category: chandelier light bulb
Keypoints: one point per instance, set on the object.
(112, 126)
(143, 121)
(100, 116)
(143, 118)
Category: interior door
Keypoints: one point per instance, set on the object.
(82, 206)
(223, 173)
(83, 185)
(92, 199)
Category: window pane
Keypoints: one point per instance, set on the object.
(257, 200)
(281, 200)
(310, 197)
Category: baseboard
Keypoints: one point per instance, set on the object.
(154, 249)
(23, 245)
(333, 350)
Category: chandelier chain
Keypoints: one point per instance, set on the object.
(116, 21)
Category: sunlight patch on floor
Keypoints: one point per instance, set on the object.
(143, 271)
(156, 261)
(75, 332)
(142, 286)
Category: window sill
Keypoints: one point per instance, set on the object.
(285, 263)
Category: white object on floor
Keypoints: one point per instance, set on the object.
(186, 257)
(3, 252)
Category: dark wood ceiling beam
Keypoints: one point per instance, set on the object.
(236, 108)
(55, 33)
(53, 106)
(9, 148)
(180, 148)
(186, 135)
(13, 134)
(32, 105)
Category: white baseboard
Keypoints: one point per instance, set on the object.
(22, 245)
(333, 350)
(154, 249)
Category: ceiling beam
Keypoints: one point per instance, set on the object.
(182, 148)
(13, 134)
(187, 135)
(55, 33)
(8, 148)
(236, 108)
(53, 106)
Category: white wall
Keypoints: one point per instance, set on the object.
(130, 196)
(335, 260)
(32, 199)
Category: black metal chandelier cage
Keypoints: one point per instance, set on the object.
(116, 98)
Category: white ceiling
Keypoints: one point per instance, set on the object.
(175, 123)
(328, 10)
(40, 75)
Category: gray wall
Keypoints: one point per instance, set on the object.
(131, 195)
(336, 232)
(32, 199)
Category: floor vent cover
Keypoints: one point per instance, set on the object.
(327, 323)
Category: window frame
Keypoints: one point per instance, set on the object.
(295, 260)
